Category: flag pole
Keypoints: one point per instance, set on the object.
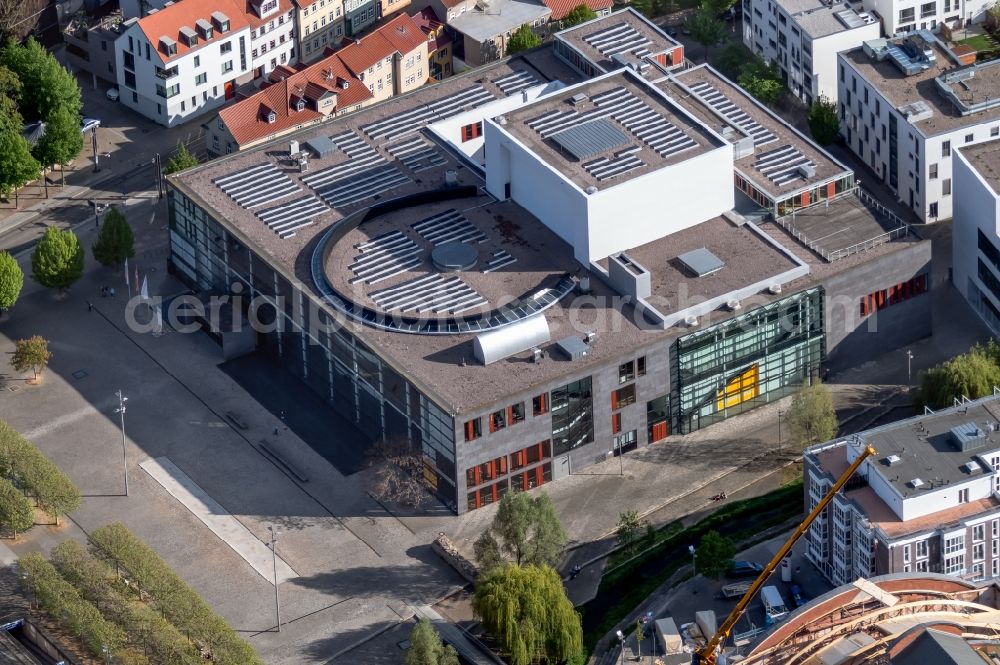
(128, 282)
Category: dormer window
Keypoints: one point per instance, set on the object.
(189, 36)
(272, 118)
(205, 29)
(300, 104)
(266, 7)
(220, 21)
(168, 46)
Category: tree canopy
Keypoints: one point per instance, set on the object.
(824, 125)
(16, 513)
(31, 353)
(182, 159)
(714, 555)
(972, 374)
(527, 611)
(115, 241)
(46, 85)
(525, 530)
(762, 81)
(57, 261)
(706, 27)
(426, 647)
(579, 14)
(17, 166)
(812, 418)
(11, 280)
(628, 527)
(524, 38)
(62, 140)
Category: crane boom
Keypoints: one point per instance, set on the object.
(706, 655)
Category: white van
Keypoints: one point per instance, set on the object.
(774, 605)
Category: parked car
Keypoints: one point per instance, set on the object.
(112, 94)
(87, 124)
(774, 605)
(745, 569)
(797, 598)
(672, 31)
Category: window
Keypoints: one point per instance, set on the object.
(227, 66)
(486, 472)
(907, 15)
(946, 149)
(616, 423)
(893, 295)
(622, 397)
(922, 566)
(946, 187)
(626, 372)
(226, 47)
(200, 79)
(979, 533)
(963, 495)
(993, 528)
(530, 455)
(515, 413)
(473, 429)
(932, 174)
(995, 131)
(540, 404)
(625, 442)
(969, 137)
(954, 565)
(922, 547)
(978, 571)
(147, 51)
(979, 552)
(130, 79)
(469, 132)
(128, 59)
(954, 544)
(928, 9)
(572, 408)
(933, 210)
(498, 420)
(640, 366)
(197, 61)
(906, 553)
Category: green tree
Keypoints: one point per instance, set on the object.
(824, 125)
(579, 14)
(426, 647)
(524, 38)
(11, 280)
(115, 241)
(57, 261)
(61, 142)
(732, 58)
(628, 527)
(717, 7)
(46, 85)
(181, 160)
(972, 374)
(527, 612)
(762, 81)
(706, 28)
(17, 166)
(811, 417)
(16, 512)
(639, 634)
(31, 353)
(714, 555)
(525, 530)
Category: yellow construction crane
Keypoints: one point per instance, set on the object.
(707, 655)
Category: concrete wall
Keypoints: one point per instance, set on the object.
(851, 337)
(977, 206)
(824, 57)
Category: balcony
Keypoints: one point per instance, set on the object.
(165, 74)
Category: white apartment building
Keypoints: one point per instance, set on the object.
(906, 104)
(901, 16)
(927, 502)
(975, 231)
(803, 37)
(188, 58)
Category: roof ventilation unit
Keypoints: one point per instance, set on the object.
(893, 459)
(537, 354)
(775, 289)
(690, 320)
(293, 148)
(589, 337)
(916, 482)
(701, 262)
(451, 178)
(504, 342)
(573, 347)
(807, 170)
(967, 436)
(734, 305)
(578, 98)
(972, 467)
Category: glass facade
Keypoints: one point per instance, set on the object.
(339, 367)
(759, 356)
(572, 416)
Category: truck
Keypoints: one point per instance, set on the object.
(774, 605)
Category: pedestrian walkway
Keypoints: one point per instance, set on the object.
(216, 518)
(470, 651)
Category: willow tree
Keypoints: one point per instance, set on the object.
(526, 609)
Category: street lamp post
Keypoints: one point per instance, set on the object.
(274, 565)
(121, 410)
(780, 449)
(621, 637)
(93, 142)
(694, 559)
(909, 365)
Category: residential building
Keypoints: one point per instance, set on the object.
(484, 26)
(976, 229)
(391, 60)
(449, 266)
(921, 619)
(290, 101)
(319, 25)
(387, 8)
(359, 15)
(899, 17)
(927, 503)
(906, 104)
(90, 45)
(272, 35)
(803, 38)
(439, 44)
(183, 60)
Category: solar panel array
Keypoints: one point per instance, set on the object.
(515, 82)
(434, 293)
(620, 38)
(663, 136)
(402, 124)
(590, 138)
(365, 175)
(384, 256)
(416, 154)
(498, 259)
(286, 218)
(609, 167)
(555, 120)
(782, 165)
(733, 113)
(448, 226)
(257, 185)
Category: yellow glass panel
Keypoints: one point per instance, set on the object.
(740, 388)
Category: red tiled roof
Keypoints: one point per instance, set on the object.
(255, 21)
(401, 35)
(560, 8)
(168, 22)
(246, 121)
(428, 22)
